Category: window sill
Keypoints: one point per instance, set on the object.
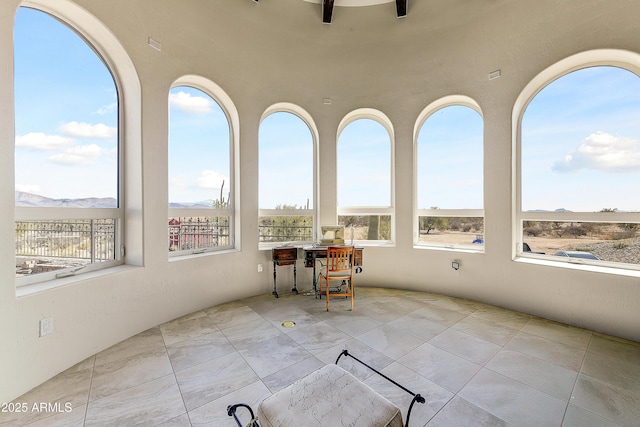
(451, 248)
(577, 265)
(188, 256)
(34, 288)
(362, 244)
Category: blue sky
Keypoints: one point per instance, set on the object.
(199, 148)
(285, 162)
(450, 160)
(364, 165)
(66, 113)
(581, 143)
(580, 139)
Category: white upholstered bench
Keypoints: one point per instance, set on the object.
(328, 397)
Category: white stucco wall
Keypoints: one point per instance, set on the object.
(272, 52)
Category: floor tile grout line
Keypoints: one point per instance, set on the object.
(504, 347)
(86, 409)
(484, 366)
(575, 383)
(175, 377)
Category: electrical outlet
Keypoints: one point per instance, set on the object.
(46, 326)
(456, 264)
(259, 268)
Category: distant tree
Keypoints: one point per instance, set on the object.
(374, 227)
(284, 228)
(429, 223)
(575, 230)
(433, 223)
(385, 228)
(348, 221)
(630, 226)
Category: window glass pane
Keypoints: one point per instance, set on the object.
(199, 150)
(450, 160)
(613, 242)
(581, 143)
(365, 227)
(364, 165)
(66, 118)
(286, 163)
(190, 233)
(286, 228)
(46, 246)
(451, 230)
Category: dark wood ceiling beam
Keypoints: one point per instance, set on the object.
(327, 11)
(401, 8)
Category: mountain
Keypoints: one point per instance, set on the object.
(543, 210)
(188, 205)
(30, 200)
(33, 200)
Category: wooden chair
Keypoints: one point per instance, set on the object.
(339, 268)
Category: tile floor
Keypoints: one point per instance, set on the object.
(477, 365)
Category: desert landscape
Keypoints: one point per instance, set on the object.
(619, 250)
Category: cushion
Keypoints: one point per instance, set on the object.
(328, 397)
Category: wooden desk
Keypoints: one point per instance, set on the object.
(313, 253)
(284, 256)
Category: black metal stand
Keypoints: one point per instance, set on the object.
(416, 397)
(231, 411)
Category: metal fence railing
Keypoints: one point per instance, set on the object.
(86, 239)
(285, 229)
(187, 233)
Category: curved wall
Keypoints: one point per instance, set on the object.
(262, 54)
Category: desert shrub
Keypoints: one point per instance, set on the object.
(534, 231)
(576, 230)
(620, 245)
(455, 224)
(619, 235)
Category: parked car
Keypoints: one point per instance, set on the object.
(527, 248)
(577, 254)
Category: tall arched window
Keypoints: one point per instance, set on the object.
(200, 172)
(69, 209)
(365, 178)
(449, 175)
(579, 166)
(286, 177)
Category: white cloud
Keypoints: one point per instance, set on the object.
(107, 108)
(41, 141)
(211, 180)
(604, 152)
(86, 130)
(178, 182)
(80, 155)
(191, 104)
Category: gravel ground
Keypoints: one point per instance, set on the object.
(607, 251)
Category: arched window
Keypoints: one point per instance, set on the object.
(449, 174)
(365, 177)
(579, 166)
(69, 183)
(200, 172)
(286, 176)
